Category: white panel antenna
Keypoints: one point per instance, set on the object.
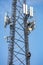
(31, 11)
(25, 9)
(6, 18)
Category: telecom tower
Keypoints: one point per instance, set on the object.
(20, 28)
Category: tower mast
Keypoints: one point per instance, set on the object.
(20, 29)
(12, 33)
(26, 38)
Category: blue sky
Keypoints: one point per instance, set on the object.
(35, 38)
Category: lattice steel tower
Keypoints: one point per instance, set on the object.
(20, 28)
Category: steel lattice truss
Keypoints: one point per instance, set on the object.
(18, 39)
